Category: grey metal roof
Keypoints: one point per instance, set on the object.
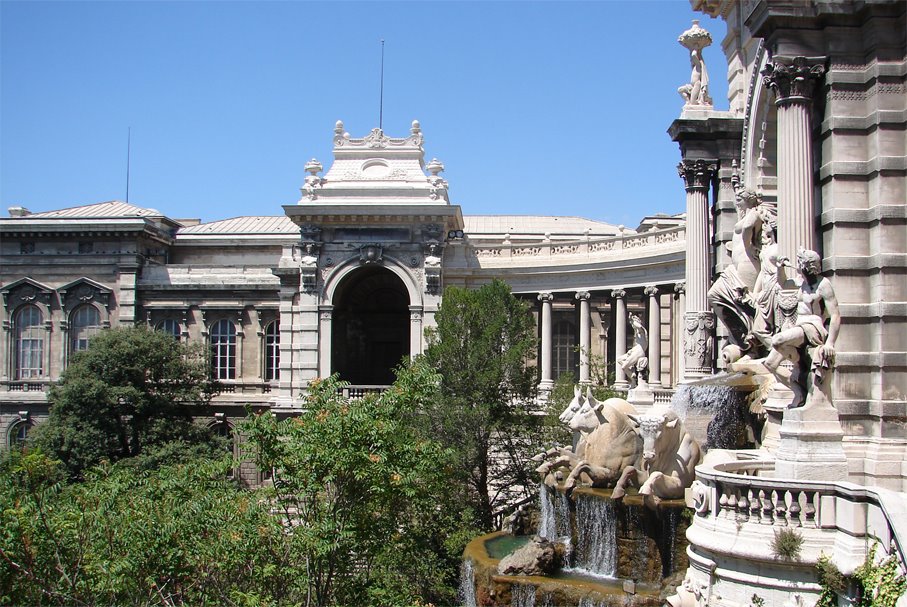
(252, 224)
(113, 208)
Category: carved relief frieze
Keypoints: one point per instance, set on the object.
(699, 341)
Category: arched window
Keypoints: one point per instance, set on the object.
(17, 434)
(170, 327)
(223, 350)
(29, 343)
(272, 351)
(85, 323)
(564, 346)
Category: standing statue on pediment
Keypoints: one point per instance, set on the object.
(810, 342)
(634, 363)
(696, 93)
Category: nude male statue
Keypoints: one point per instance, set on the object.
(815, 301)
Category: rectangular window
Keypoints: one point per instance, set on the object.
(31, 358)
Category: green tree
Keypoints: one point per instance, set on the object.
(130, 393)
(481, 347)
(177, 535)
(365, 494)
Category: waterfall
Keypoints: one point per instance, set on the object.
(547, 524)
(467, 591)
(596, 549)
(522, 595)
(554, 516)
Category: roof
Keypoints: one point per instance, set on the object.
(534, 224)
(110, 209)
(250, 224)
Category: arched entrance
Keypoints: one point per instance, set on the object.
(370, 332)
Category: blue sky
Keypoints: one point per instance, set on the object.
(555, 108)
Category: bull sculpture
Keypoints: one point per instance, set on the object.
(669, 457)
(606, 443)
(618, 448)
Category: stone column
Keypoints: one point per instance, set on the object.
(620, 335)
(654, 336)
(546, 382)
(325, 318)
(415, 331)
(794, 81)
(699, 320)
(677, 322)
(585, 336)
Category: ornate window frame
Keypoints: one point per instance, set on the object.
(17, 295)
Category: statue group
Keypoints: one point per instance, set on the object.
(766, 323)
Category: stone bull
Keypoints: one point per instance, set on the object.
(669, 456)
(608, 444)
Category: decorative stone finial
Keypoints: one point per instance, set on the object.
(338, 128)
(313, 167)
(417, 128)
(312, 181)
(696, 93)
(435, 166)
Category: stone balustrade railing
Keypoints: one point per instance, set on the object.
(743, 492)
(583, 247)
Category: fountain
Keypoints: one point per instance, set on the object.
(617, 536)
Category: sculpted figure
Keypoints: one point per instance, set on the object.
(635, 360)
(696, 93)
(731, 296)
(669, 458)
(765, 293)
(810, 343)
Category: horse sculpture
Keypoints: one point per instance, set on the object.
(669, 457)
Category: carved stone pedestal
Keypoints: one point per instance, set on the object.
(810, 445)
(642, 397)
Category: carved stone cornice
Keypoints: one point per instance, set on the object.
(651, 291)
(546, 297)
(618, 294)
(697, 174)
(583, 295)
(794, 80)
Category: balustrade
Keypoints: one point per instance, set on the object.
(585, 247)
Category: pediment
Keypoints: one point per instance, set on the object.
(25, 290)
(83, 290)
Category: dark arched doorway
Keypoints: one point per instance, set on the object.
(370, 333)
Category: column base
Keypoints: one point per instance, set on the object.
(810, 445)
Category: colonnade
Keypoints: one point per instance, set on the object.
(611, 307)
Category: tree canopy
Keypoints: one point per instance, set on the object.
(130, 393)
(481, 348)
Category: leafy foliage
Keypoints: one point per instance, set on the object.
(365, 495)
(129, 394)
(787, 544)
(481, 346)
(879, 584)
(179, 535)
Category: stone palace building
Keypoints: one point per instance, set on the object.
(346, 280)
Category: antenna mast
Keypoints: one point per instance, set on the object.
(128, 149)
(381, 95)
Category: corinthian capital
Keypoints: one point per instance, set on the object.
(794, 80)
(697, 174)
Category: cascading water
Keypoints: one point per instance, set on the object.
(522, 596)
(725, 407)
(596, 550)
(554, 514)
(467, 591)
